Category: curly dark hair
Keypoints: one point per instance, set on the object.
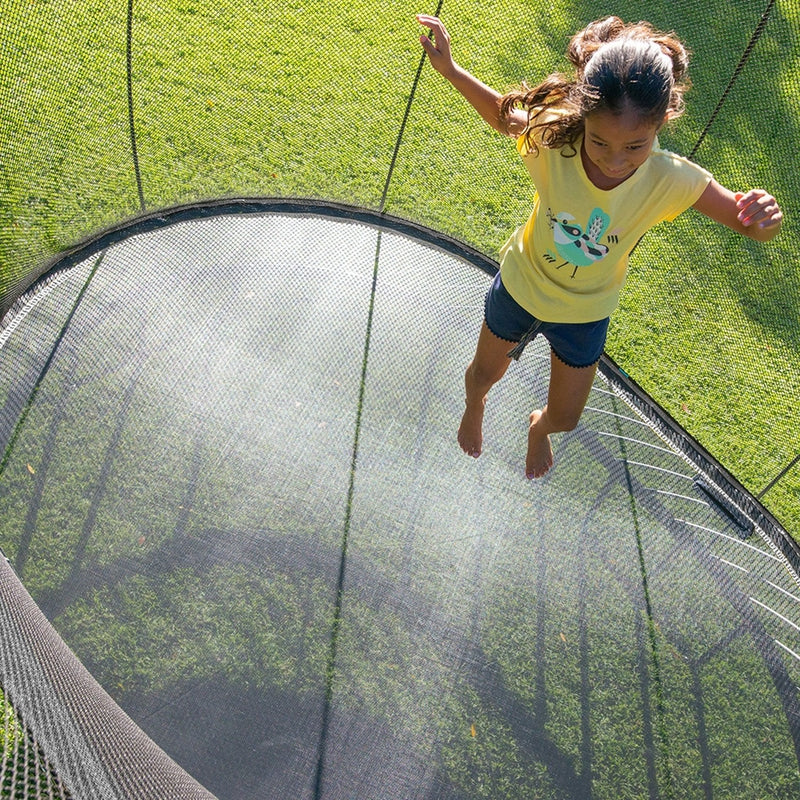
(618, 66)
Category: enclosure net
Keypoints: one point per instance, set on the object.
(246, 557)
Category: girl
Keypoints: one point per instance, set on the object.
(589, 143)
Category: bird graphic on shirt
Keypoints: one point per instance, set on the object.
(576, 246)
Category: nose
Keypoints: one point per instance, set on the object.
(617, 160)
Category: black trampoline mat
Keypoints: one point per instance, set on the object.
(233, 485)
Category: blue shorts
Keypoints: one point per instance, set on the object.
(577, 344)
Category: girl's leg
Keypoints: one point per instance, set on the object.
(487, 367)
(566, 397)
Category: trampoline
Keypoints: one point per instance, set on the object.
(246, 558)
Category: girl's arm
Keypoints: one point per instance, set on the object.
(484, 99)
(755, 214)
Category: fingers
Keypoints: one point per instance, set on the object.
(758, 207)
(437, 31)
(436, 43)
(430, 21)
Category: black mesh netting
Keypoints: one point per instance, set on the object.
(245, 555)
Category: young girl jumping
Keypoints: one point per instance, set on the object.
(589, 143)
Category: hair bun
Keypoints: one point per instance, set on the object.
(677, 53)
(584, 44)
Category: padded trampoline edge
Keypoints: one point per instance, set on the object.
(96, 750)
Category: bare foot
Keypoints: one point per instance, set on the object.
(470, 432)
(540, 453)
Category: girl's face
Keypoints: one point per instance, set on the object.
(615, 146)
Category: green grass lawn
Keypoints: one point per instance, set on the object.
(302, 99)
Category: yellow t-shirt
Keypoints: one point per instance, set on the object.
(568, 262)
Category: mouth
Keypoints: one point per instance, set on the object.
(617, 173)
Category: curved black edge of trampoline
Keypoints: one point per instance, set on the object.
(160, 218)
(741, 505)
(745, 502)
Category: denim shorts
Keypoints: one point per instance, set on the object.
(577, 344)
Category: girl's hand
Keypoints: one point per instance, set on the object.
(437, 47)
(755, 214)
(760, 208)
(484, 99)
